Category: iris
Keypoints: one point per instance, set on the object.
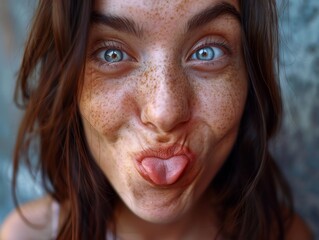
(205, 54)
(113, 55)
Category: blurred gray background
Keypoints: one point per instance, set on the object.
(296, 147)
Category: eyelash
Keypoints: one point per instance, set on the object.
(212, 43)
(105, 46)
(108, 45)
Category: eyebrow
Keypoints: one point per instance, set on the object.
(119, 23)
(204, 17)
(211, 13)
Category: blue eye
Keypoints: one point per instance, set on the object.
(113, 55)
(207, 54)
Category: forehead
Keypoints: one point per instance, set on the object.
(159, 4)
(153, 13)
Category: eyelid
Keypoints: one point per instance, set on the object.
(211, 42)
(107, 45)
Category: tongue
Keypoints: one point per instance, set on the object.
(164, 171)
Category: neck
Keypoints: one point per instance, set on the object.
(198, 223)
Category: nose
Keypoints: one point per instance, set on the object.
(167, 103)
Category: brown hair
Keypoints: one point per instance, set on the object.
(255, 198)
(250, 190)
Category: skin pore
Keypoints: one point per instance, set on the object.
(163, 75)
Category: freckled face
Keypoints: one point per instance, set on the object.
(156, 78)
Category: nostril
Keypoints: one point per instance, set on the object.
(164, 121)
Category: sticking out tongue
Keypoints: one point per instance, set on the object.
(164, 171)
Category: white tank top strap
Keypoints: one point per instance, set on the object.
(109, 236)
(55, 211)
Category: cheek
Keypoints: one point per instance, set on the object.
(104, 104)
(221, 101)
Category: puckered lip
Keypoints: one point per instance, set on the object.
(164, 153)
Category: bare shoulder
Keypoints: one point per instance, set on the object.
(38, 213)
(299, 230)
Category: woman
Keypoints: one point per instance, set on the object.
(152, 121)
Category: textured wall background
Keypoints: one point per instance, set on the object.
(296, 148)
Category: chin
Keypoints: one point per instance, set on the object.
(159, 216)
(161, 206)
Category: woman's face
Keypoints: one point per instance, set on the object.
(164, 91)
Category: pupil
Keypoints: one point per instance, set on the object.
(113, 55)
(205, 54)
